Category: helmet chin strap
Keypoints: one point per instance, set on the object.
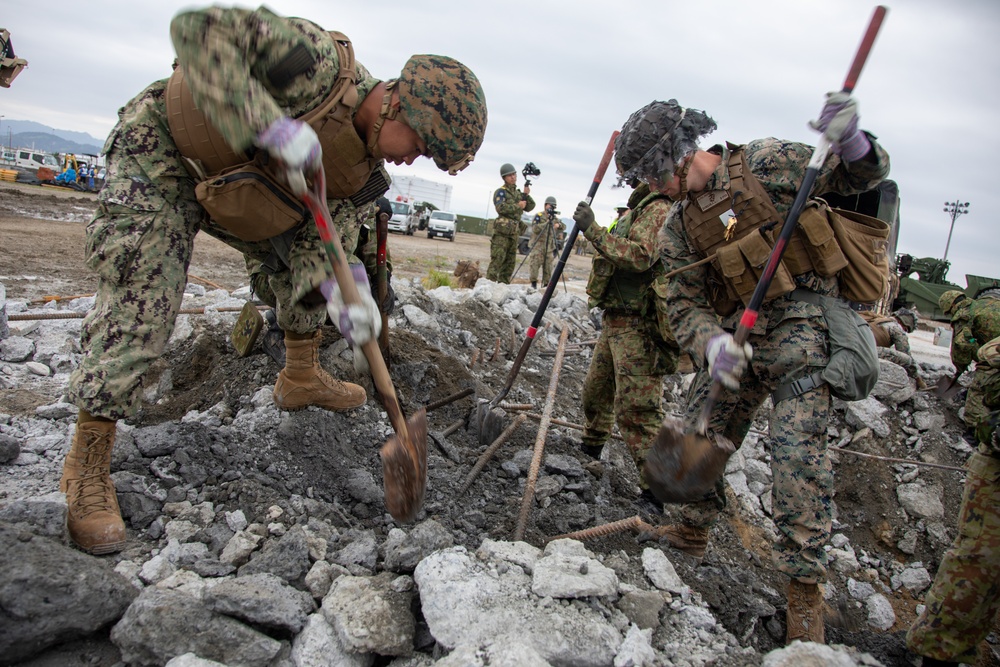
(682, 176)
(387, 112)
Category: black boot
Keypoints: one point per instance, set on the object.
(534, 284)
(274, 339)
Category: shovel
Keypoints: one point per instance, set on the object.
(382, 281)
(490, 417)
(948, 387)
(684, 465)
(404, 455)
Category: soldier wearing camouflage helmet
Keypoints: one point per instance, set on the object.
(973, 323)
(510, 203)
(255, 100)
(961, 605)
(546, 230)
(788, 345)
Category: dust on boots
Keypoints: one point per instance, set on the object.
(805, 613)
(303, 381)
(93, 517)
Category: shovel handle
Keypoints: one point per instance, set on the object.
(819, 156)
(382, 280)
(316, 201)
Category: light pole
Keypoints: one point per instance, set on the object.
(954, 209)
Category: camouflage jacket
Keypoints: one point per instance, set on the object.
(630, 249)
(779, 166)
(506, 200)
(974, 324)
(546, 229)
(243, 68)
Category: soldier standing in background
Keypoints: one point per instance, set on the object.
(262, 81)
(546, 230)
(635, 349)
(964, 599)
(509, 204)
(789, 345)
(973, 323)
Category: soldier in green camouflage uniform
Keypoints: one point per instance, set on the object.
(973, 322)
(963, 601)
(625, 380)
(658, 145)
(892, 341)
(509, 204)
(141, 238)
(546, 229)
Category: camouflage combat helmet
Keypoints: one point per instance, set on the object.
(656, 137)
(550, 200)
(948, 300)
(442, 100)
(907, 318)
(506, 169)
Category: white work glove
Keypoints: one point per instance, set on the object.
(727, 361)
(358, 323)
(838, 121)
(295, 145)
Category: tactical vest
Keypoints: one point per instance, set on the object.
(740, 249)
(346, 161)
(882, 336)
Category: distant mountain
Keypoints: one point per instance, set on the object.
(29, 134)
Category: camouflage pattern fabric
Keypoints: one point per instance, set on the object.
(789, 340)
(545, 230)
(506, 228)
(625, 384)
(892, 341)
(974, 323)
(141, 237)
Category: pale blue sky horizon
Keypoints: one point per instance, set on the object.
(560, 78)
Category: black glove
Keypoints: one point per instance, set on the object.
(382, 206)
(388, 304)
(583, 215)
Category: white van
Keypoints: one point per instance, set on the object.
(29, 159)
(442, 223)
(403, 218)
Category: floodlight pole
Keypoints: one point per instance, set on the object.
(954, 209)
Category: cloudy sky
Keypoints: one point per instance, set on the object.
(559, 77)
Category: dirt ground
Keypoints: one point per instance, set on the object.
(42, 253)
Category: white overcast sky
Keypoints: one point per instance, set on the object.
(559, 77)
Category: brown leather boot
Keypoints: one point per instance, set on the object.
(93, 518)
(303, 381)
(692, 540)
(804, 617)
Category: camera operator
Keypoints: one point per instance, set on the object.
(546, 230)
(510, 205)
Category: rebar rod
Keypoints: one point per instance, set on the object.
(448, 399)
(485, 457)
(911, 462)
(543, 429)
(68, 315)
(633, 522)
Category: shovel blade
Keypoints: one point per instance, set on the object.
(947, 387)
(404, 469)
(683, 467)
(491, 422)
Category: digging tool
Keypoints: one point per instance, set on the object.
(404, 455)
(949, 387)
(382, 282)
(684, 465)
(489, 417)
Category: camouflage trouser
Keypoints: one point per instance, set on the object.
(140, 243)
(503, 254)
(625, 383)
(540, 260)
(803, 476)
(974, 408)
(965, 596)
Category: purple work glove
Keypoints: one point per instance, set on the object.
(295, 145)
(358, 323)
(838, 121)
(727, 361)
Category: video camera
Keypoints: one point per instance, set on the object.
(530, 170)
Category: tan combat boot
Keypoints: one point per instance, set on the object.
(303, 381)
(692, 540)
(804, 617)
(93, 518)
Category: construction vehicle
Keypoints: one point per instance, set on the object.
(10, 65)
(923, 291)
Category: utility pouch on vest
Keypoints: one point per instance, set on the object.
(864, 242)
(853, 367)
(742, 263)
(247, 202)
(600, 276)
(819, 240)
